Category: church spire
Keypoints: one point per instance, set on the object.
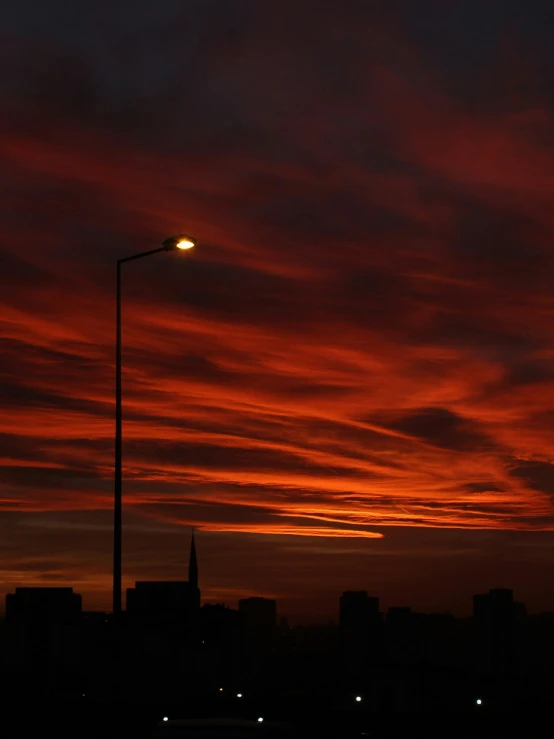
(193, 564)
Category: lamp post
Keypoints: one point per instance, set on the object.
(180, 241)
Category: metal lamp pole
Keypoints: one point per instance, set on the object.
(175, 242)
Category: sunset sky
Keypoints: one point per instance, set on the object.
(349, 384)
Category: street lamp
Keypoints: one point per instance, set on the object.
(180, 241)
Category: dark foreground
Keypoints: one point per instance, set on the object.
(83, 719)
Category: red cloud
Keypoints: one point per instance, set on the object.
(363, 338)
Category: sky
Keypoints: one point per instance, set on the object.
(349, 383)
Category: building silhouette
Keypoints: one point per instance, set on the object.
(497, 619)
(166, 602)
(360, 634)
(168, 646)
(43, 628)
(357, 613)
(162, 632)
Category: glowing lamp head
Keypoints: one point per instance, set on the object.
(180, 241)
(260, 720)
(184, 244)
(479, 702)
(358, 699)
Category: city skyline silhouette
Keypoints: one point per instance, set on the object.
(170, 644)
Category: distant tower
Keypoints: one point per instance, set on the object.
(193, 564)
(193, 575)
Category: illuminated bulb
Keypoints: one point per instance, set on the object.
(358, 698)
(479, 701)
(260, 720)
(165, 718)
(179, 241)
(239, 695)
(184, 244)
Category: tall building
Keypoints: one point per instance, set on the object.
(495, 619)
(43, 630)
(360, 631)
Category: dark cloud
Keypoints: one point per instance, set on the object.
(15, 395)
(538, 370)
(508, 247)
(443, 428)
(214, 457)
(537, 475)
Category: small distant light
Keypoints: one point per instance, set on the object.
(479, 702)
(239, 695)
(358, 698)
(221, 690)
(83, 695)
(260, 720)
(165, 718)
